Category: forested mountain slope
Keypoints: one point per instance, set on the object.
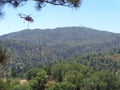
(59, 35)
(59, 43)
(36, 48)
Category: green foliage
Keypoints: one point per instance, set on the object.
(48, 68)
(13, 72)
(3, 85)
(62, 86)
(107, 80)
(22, 87)
(4, 55)
(99, 61)
(84, 78)
(11, 83)
(66, 77)
(39, 81)
(32, 73)
(58, 72)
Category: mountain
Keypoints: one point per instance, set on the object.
(87, 46)
(58, 34)
(58, 44)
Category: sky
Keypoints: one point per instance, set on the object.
(103, 15)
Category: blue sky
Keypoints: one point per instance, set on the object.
(99, 14)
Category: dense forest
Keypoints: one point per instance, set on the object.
(64, 77)
(69, 58)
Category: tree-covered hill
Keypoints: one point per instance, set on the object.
(58, 35)
(33, 48)
(59, 43)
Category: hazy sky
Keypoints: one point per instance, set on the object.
(99, 14)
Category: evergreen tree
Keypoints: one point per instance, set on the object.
(4, 55)
(39, 3)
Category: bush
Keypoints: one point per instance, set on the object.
(3, 85)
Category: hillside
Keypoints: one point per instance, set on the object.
(34, 48)
(59, 43)
(58, 35)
